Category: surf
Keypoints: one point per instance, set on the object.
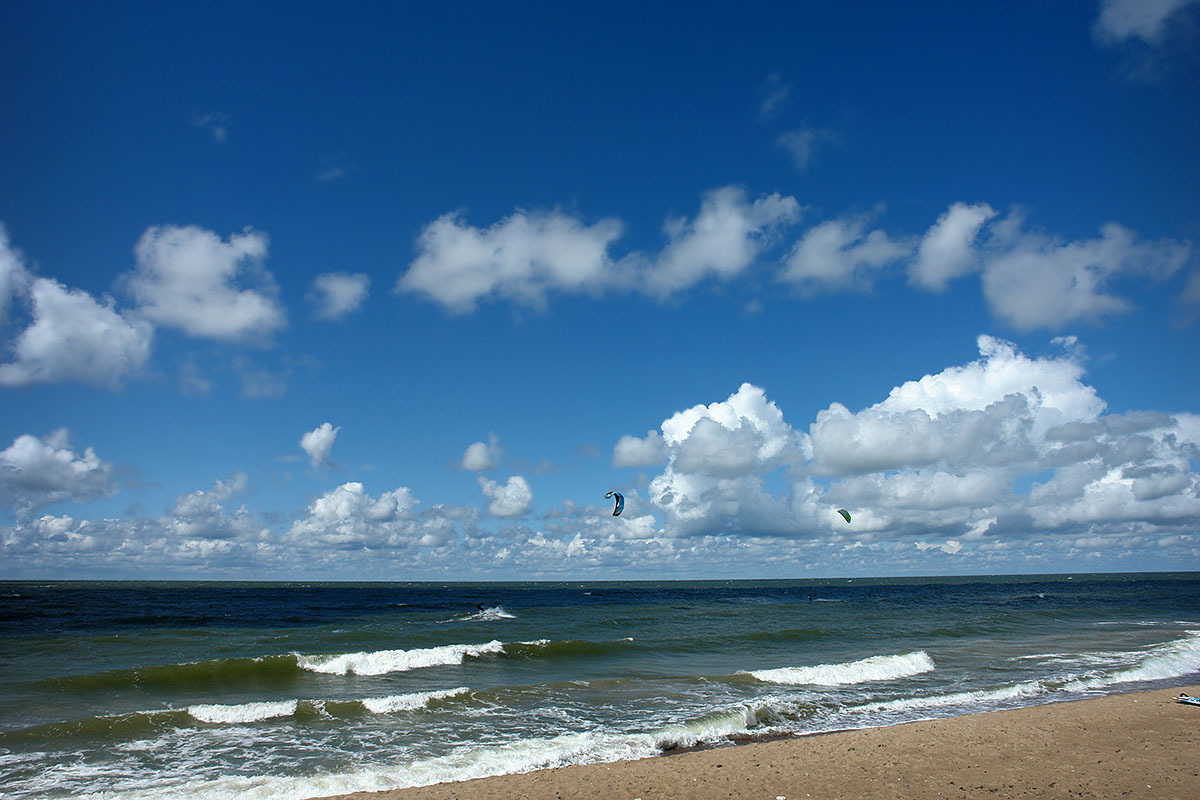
(873, 668)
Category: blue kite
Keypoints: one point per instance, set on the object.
(620, 502)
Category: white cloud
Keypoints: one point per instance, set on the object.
(630, 451)
(523, 258)
(840, 254)
(1148, 20)
(349, 518)
(508, 500)
(950, 547)
(36, 472)
(719, 455)
(1036, 281)
(207, 503)
(189, 278)
(990, 412)
(202, 526)
(530, 255)
(948, 249)
(338, 294)
(479, 456)
(73, 337)
(726, 236)
(318, 443)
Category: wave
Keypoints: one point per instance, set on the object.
(143, 723)
(382, 662)
(471, 761)
(1172, 659)
(265, 671)
(409, 702)
(244, 712)
(283, 671)
(874, 668)
(486, 615)
(1165, 661)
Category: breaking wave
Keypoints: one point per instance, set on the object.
(142, 723)
(381, 662)
(875, 668)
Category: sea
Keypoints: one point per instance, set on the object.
(296, 690)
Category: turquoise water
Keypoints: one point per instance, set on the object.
(220, 690)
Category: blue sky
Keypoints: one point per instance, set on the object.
(389, 291)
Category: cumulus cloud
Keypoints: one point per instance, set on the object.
(199, 519)
(840, 254)
(189, 278)
(630, 451)
(718, 457)
(336, 295)
(948, 248)
(37, 472)
(530, 255)
(349, 518)
(722, 240)
(1036, 281)
(479, 456)
(72, 337)
(1147, 20)
(318, 443)
(988, 413)
(951, 450)
(507, 500)
(985, 453)
(523, 258)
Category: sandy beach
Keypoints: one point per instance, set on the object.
(1132, 745)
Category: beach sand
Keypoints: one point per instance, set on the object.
(1140, 745)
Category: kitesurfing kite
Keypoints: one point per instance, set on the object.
(844, 513)
(620, 506)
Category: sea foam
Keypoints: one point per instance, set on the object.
(875, 668)
(381, 662)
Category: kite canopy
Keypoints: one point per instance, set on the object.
(844, 513)
(620, 502)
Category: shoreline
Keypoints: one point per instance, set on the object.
(1141, 744)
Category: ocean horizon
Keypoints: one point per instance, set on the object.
(297, 689)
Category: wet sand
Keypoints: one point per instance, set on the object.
(1141, 745)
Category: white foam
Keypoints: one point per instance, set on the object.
(463, 763)
(381, 662)
(875, 668)
(243, 712)
(1025, 689)
(408, 702)
(490, 615)
(1169, 660)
